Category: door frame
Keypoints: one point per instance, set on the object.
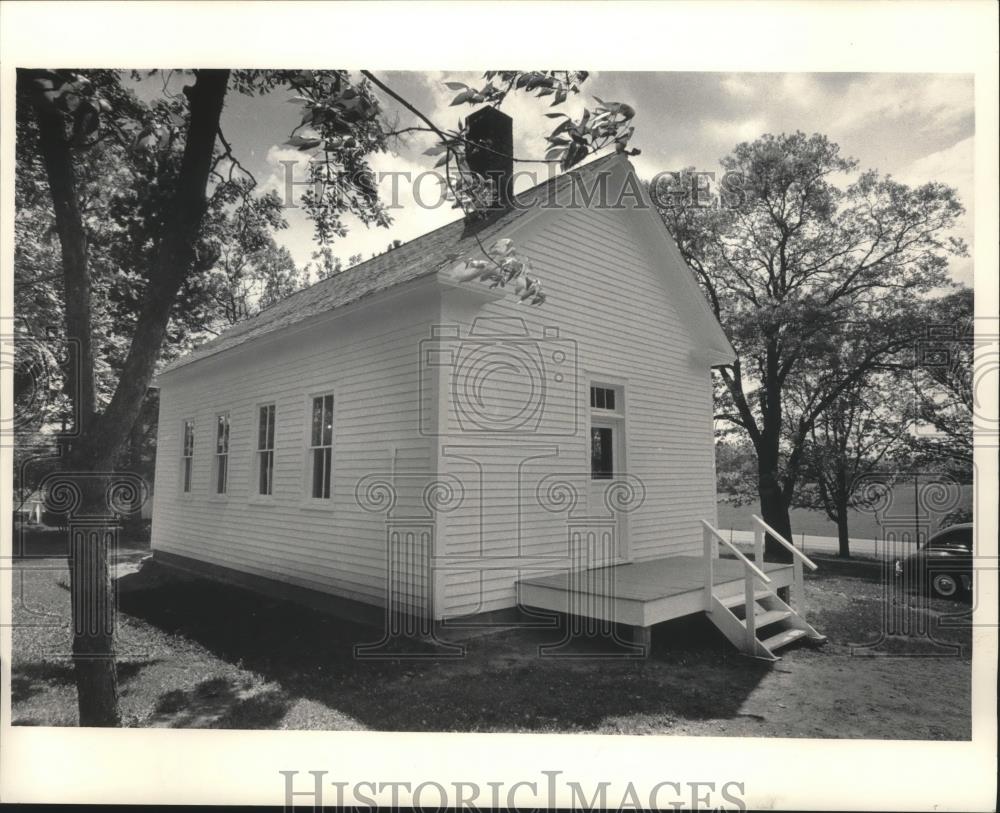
(617, 420)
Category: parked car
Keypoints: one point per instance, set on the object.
(942, 564)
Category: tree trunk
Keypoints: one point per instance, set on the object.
(773, 510)
(78, 362)
(843, 542)
(841, 494)
(92, 540)
(101, 437)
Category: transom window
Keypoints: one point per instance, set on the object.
(222, 453)
(265, 450)
(187, 455)
(321, 446)
(602, 398)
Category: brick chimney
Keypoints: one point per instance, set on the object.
(490, 151)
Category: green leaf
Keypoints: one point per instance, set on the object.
(455, 85)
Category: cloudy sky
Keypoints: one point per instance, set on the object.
(916, 127)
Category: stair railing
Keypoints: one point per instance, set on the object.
(798, 602)
(750, 572)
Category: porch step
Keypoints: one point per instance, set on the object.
(732, 601)
(784, 638)
(771, 617)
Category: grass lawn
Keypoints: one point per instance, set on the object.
(197, 654)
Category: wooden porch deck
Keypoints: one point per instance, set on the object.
(642, 593)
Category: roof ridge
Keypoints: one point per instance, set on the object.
(374, 257)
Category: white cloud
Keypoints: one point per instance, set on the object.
(954, 166)
(736, 84)
(943, 99)
(731, 132)
(801, 88)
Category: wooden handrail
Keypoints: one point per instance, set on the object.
(778, 537)
(760, 574)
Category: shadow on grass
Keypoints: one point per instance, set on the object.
(220, 703)
(501, 684)
(34, 677)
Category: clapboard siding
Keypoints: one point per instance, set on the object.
(368, 357)
(609, 297)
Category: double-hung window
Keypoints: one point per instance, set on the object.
(187, 456)
(222, 453)
(321, 446)
(265, 449)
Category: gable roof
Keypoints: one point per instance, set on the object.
(420, 257)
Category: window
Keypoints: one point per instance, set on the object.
(607, 430)
(321, 446)
(602, 398)
(187, 454)
(601, 453)
(265, 450)
(221, 453)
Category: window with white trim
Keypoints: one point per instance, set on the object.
(321, 446)
(222, 453)
(187, 456)
(265, 449)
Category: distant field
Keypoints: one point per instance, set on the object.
(863, 524)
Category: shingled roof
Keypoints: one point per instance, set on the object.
(419, 257)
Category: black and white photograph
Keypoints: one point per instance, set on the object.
(655, 405)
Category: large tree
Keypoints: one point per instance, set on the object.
(177, 147)
(808, 274)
